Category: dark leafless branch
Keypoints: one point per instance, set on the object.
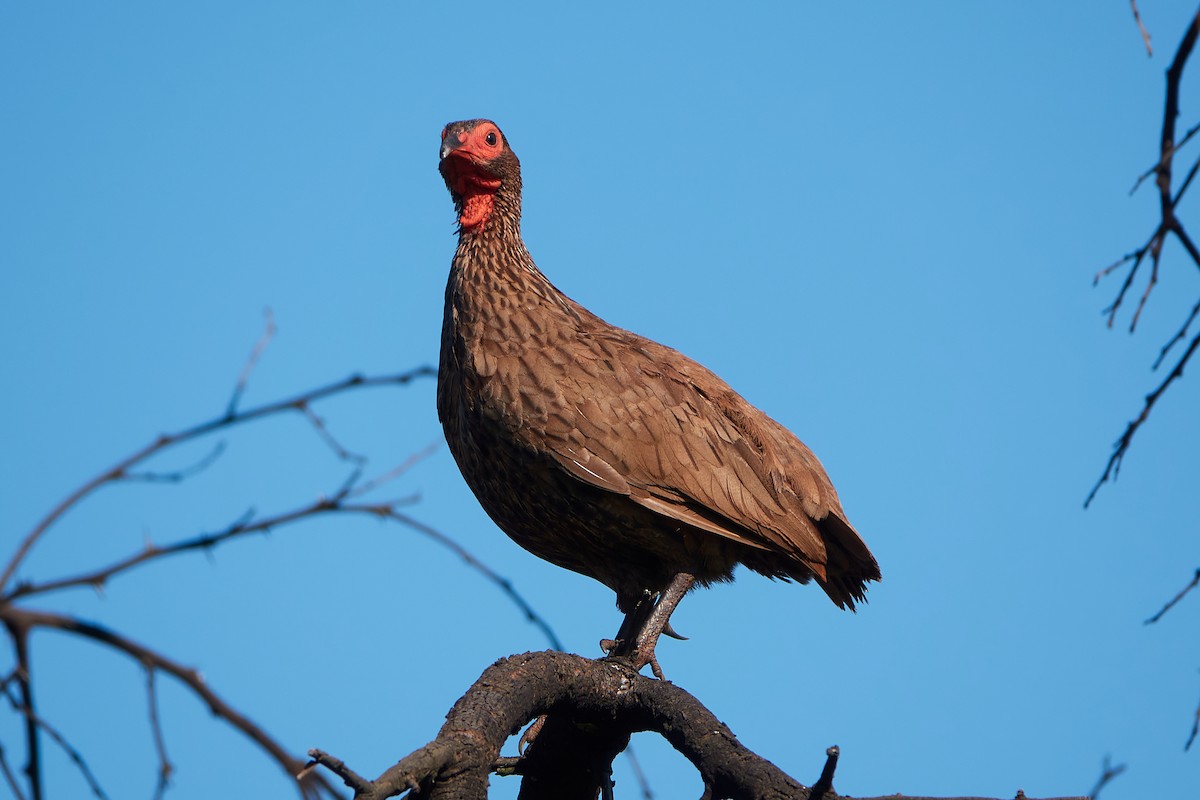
(1195, 582)
(824, 783)
(1113, 467)
(1195, 729)
(160, 745)
(638, 774)
(179, 475)
(27, 620)
(323, 431)
(22, 707)
(23, 675)
(260, 347)
(504, 583)
(122, 469)
(601, 700)
(1145, 33)
(1187, 137)
(1168, 225)
(395, 472)
(1108, 773)
(1179, 335)
(9, 777)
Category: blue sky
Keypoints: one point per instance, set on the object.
(877, 221)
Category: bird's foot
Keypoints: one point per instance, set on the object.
(639, 633)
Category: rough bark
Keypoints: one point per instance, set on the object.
(593, 707)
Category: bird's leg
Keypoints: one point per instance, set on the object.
(634, 620)
(638, 643)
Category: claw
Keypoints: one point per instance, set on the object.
(669, 631)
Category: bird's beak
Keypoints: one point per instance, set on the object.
(451, 143)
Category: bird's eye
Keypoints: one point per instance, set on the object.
(491, 138)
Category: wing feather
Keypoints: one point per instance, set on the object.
(675, 439)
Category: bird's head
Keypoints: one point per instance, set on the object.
(479, 168)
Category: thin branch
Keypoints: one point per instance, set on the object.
(9, 777)
(505, 584)
(1142, 28)
(1179, 335)
(1150, 284)
(244, 525)
(72, 752)
(329, 439)
(638, 774)
(24, 676)
(27, 619)
(160, 745)
(1137, 256)
(1195, 582)
(1195, 730)
(260, 347)
(1113, 468)
(179, 475)
(1107, 774)
(1187, 137)
(395, 472)
(1169, 224)
(122, 468)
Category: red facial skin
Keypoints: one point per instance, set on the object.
(466, 170)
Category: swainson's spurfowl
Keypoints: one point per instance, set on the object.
(604, 452)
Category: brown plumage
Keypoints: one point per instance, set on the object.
(602, 451)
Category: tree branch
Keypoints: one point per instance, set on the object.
(1113, 468)
(311, 788)
(122, 469)
(1169, 224)
(1182, 592)
(591, 700)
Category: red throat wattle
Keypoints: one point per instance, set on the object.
(477, 190)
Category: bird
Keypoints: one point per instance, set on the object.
(605, 452)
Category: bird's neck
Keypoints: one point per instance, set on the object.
(492, 266)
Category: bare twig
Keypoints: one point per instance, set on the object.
(1179, 335)
(1108, 772)
(122, 468)
(638, 774)
(329, 439)
(1113, 468)
(1169, 224)
(338, 767)
(504, 583)
(9, 777)
(179, 475)
(72, 752)
(260, 347)
(1195, 729)
(26, 619)
(1195, 582)
(160, 745)
(1142, 28)
(394, 472)
(1187, 137)
(33, 760)
(825, 782)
